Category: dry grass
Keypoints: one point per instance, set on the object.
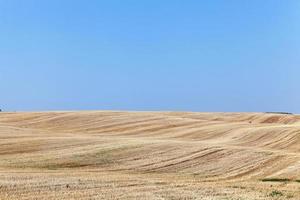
(149, 155)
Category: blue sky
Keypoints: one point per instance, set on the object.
(218, 55)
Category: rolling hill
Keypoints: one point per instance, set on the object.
(149, 155)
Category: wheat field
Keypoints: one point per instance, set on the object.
(149, 155)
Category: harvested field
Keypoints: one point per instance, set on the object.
(149, 155)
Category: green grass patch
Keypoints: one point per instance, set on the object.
(275, 193)
(275, 180)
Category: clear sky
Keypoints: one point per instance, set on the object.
(194, 55)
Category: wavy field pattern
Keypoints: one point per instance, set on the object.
(149, 155)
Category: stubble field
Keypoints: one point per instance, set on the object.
(149, 155)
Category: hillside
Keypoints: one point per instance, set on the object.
(149, 155)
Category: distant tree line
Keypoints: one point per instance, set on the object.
(284, 113)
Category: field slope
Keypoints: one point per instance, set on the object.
(149, 155)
